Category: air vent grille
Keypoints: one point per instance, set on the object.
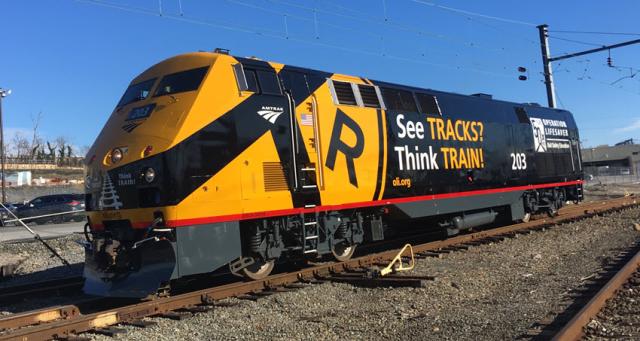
(344, 92)
(369, 96)
(274, 177)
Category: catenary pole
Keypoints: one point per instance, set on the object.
(547, 59)
(546, 63)
(3, 93)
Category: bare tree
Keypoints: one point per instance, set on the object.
(52, 151)
(36, 140)
(83, 151)
(21, 146)
(61, 143)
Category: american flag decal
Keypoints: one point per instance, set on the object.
(306, 120)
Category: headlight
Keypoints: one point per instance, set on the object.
(116, 155)
(149, 175)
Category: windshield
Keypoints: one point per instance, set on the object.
(181, 82)
(136, 92)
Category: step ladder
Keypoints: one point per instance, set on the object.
(310, 232)
(309, 173)
(579, 192)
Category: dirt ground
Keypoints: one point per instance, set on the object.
(596, 191)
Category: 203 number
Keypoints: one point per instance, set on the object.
(519, 161)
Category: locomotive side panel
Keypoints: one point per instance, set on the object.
(350, 139)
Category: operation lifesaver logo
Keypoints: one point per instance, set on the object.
(549, 134)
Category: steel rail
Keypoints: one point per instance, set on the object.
(159, 306)
(16, 292)
(39, 316)
(574, 330)
(42, 216)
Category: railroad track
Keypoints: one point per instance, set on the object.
(68, 323)
(60, 286)
(574, 329)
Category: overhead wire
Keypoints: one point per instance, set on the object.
(388, 22)
(576, 41)
(300, 17)
(595, 32)
(475, 14)
(586, 76)
(279, 35)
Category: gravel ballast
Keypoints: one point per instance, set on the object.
(38, 263)
(620, 317)
(495, 291)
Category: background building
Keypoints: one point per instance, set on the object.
(620, 159)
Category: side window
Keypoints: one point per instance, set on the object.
(522, 115)
(399, 100)
(428, 104)
(408, 102)
(45, 201)
(296, 84)
(252, 80)
(391, 99)
(344, 93)
(268, 82)
(369, 96)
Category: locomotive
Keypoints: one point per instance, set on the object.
(211, 161)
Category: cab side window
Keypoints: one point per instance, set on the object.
(260, 81)
(268, 82)
(252, 80)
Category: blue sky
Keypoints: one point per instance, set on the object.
(71, 60)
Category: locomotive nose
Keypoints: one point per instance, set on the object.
(151, 265)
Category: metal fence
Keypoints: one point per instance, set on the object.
(612, 175)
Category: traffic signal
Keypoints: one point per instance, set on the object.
(522, 69)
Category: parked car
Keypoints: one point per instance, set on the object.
(4, 215)
(51, 204)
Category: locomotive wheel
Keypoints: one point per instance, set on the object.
(258, 270)
(342, 251)
(526, 218)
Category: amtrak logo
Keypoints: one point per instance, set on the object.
(130, 126)
(271, 114)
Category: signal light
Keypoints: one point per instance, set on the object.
(147, 151)
(522, 69)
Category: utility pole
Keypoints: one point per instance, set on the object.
(547, 59)
(3, 93)
(548, 75)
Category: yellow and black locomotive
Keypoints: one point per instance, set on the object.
(212, 161)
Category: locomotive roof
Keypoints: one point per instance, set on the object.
(258, 62)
